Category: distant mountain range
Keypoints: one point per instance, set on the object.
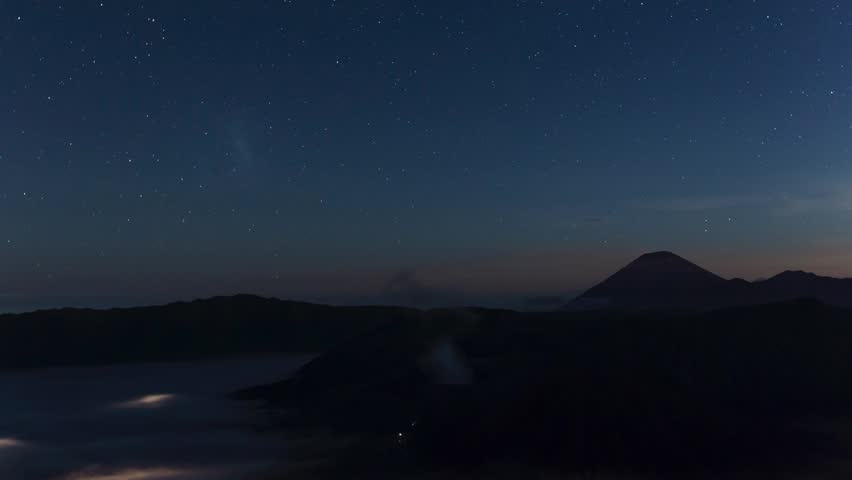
(665, 281)
(247, 324)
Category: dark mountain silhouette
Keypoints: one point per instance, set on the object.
(660, 279)
(214, 327)
(247, 324)
(663, 280)
(836, 291)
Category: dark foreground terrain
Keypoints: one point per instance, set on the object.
(763, 390)
(662, 370)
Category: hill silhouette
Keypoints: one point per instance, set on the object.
(664, 280)
(789, 284)
(214, 327)
(248, 324)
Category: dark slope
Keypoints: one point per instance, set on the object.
(218, 326)
(835, 291)
(642, 392)
(665, 281)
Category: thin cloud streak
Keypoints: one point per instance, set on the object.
(701, 203)
(782, 204)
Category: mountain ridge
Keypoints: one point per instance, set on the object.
(665, 280)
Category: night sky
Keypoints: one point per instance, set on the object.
(154, 150)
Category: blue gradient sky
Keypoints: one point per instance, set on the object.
(159, 149)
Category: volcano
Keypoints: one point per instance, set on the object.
(666, 281)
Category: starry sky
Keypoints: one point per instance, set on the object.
(320, 149)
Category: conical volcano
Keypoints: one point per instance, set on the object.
(660, 280)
